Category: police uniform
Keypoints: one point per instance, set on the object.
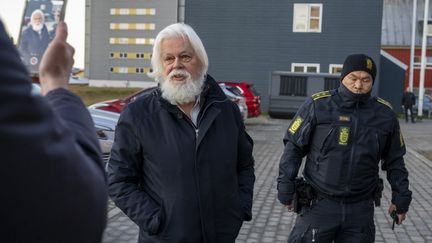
(345, 137)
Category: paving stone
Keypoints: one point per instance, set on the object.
(271, 221)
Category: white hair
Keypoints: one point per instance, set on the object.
(178, 30)
(37, 11)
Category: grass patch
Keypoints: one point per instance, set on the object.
(91, 95)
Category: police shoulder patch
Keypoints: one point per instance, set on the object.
(321, 94)
(384, 102)
(295, 125)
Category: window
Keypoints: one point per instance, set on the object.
(132, 26)
(305, 67)
(335, 68)
(417, 60)
(130, 41)
(130, 55)
(331, 83)
(293, 86)
(307, 17)
(420, 27)
(133, 11)
(129, 70)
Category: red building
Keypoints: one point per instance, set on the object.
(403, 55)
(396, 37)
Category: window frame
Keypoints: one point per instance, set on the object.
(307, 28)
(305, 66)
(331, 66)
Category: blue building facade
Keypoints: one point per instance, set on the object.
(247, 40)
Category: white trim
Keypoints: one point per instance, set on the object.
(331, 66)
(307, 28)
(305, 66)
(394, 60)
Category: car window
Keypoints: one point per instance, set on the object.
(234, 90)
(253, 90)
(36, 89)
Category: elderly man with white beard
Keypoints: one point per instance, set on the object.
(34, 41)
(181, 166)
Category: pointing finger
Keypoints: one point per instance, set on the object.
(61, 31)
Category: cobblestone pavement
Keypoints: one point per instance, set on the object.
(272, 223)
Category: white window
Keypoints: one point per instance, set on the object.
(305, 67)
(133, 11)
(307, 17)
(417, 62)
(335, 68)
(429, 29)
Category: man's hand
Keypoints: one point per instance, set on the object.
(289, 207)
(56, 63)
(401, 217)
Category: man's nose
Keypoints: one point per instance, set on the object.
(358, 84)
(177, 63)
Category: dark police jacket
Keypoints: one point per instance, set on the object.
(52, 181)
(178, 182)
(345, 136)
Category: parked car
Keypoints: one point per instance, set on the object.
(253, 98)
(117, 105)
(78, 80)
(238, 99)
(36, 89)
(427, 105)
(105, 123)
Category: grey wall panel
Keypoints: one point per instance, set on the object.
(247, 40)
(392, 76)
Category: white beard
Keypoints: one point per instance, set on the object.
(181, 93)
(37, 27)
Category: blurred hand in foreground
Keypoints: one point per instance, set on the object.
(57, 62)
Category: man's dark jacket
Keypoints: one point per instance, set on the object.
(33, 45)
(408, 99)
(345, 136)
(178, 182)
(52, 181)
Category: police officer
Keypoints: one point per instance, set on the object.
(345, 133)
(408, 100)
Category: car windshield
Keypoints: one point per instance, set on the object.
(253, 90)
(234, 90)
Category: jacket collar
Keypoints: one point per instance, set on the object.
(351, 99)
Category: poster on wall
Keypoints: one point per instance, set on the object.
(38, 26)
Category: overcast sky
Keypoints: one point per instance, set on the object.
(11, 13)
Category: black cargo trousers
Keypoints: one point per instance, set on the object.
(328, 221)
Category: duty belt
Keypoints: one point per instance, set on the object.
(345, 200)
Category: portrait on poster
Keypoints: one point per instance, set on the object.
(38, 25)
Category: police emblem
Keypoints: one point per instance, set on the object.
(295, 125)
(369, 63)
(343, 135)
